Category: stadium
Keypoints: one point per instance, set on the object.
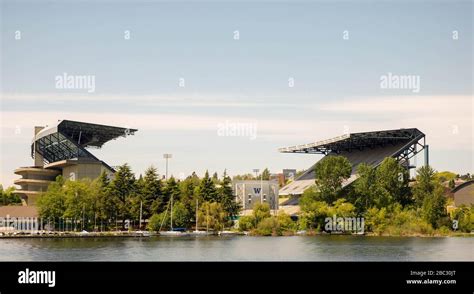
(61, 149)
(366, 147)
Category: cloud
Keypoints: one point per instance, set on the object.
(170, 100)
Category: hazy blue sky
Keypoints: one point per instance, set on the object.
(336, 80)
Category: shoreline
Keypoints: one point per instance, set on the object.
(123, 234)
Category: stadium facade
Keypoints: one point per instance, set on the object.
(249, 192)
(366, 147)
(61, 149)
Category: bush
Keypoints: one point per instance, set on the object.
(397, 221)
(285, 223)
(465, 217)
(246, 223)
(155, 221)
(268, 227)
(261, 211)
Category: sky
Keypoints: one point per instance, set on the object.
(293, 72)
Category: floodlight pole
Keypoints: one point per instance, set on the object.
(167, 156)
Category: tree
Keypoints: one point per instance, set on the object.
(52, 203)
(434, 206)
(260, 212)
(171, 190)
(244, 177)
(151, 190)
(122, 189)
(381, 186)
(246, 223)
(425, 184)
(331, 171)
(106, 205)
(465, 218)
(79, 200)
(215, 178)
(181, 217)
(8, 197)
(365, 187)
(393, 178)
(212, 215)
(207, 189)
(226, 196)
(266, 174)
(451, 184)
(445, 176)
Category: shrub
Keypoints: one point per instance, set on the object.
(246, 223)
(268, 227)
(155, 221)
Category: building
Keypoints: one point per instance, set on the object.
(366, 147)
(61, 149)
(249, 192)
(464, 194)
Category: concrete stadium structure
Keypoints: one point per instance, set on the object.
(464, 194)
(61, 150)
(367, 147)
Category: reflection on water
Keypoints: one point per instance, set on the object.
(236, 248)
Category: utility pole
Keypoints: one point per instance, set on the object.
(167, 156)
(140, 224)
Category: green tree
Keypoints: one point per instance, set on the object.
(451, 184)
(106, 204)
(260, 212)
(122, 190)
(445, 176)
(151, 191)
(226, 196)
(215, 178)
(155, 222)
(246, 223)
(8, 197)
(465, 218)
(171, 190)
(266, 174)
(181, 217)
(213, 216)
(393, 178)
(365, 187)
(52, 203)
(331, 171)
(434, 206)
(207, 189)
(425, 184)
(79, 200)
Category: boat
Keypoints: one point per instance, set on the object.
(227, 233)
(172, 232)
(197, 232)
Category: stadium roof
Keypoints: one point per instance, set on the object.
(69, 139)
(86, 134)
(357, 141)
(368, 147)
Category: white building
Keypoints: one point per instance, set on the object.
(249, 192)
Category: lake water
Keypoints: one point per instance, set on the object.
(239, 248)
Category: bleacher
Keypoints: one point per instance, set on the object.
(370, 148)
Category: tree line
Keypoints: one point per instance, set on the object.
(384, 197)
(107, 203)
